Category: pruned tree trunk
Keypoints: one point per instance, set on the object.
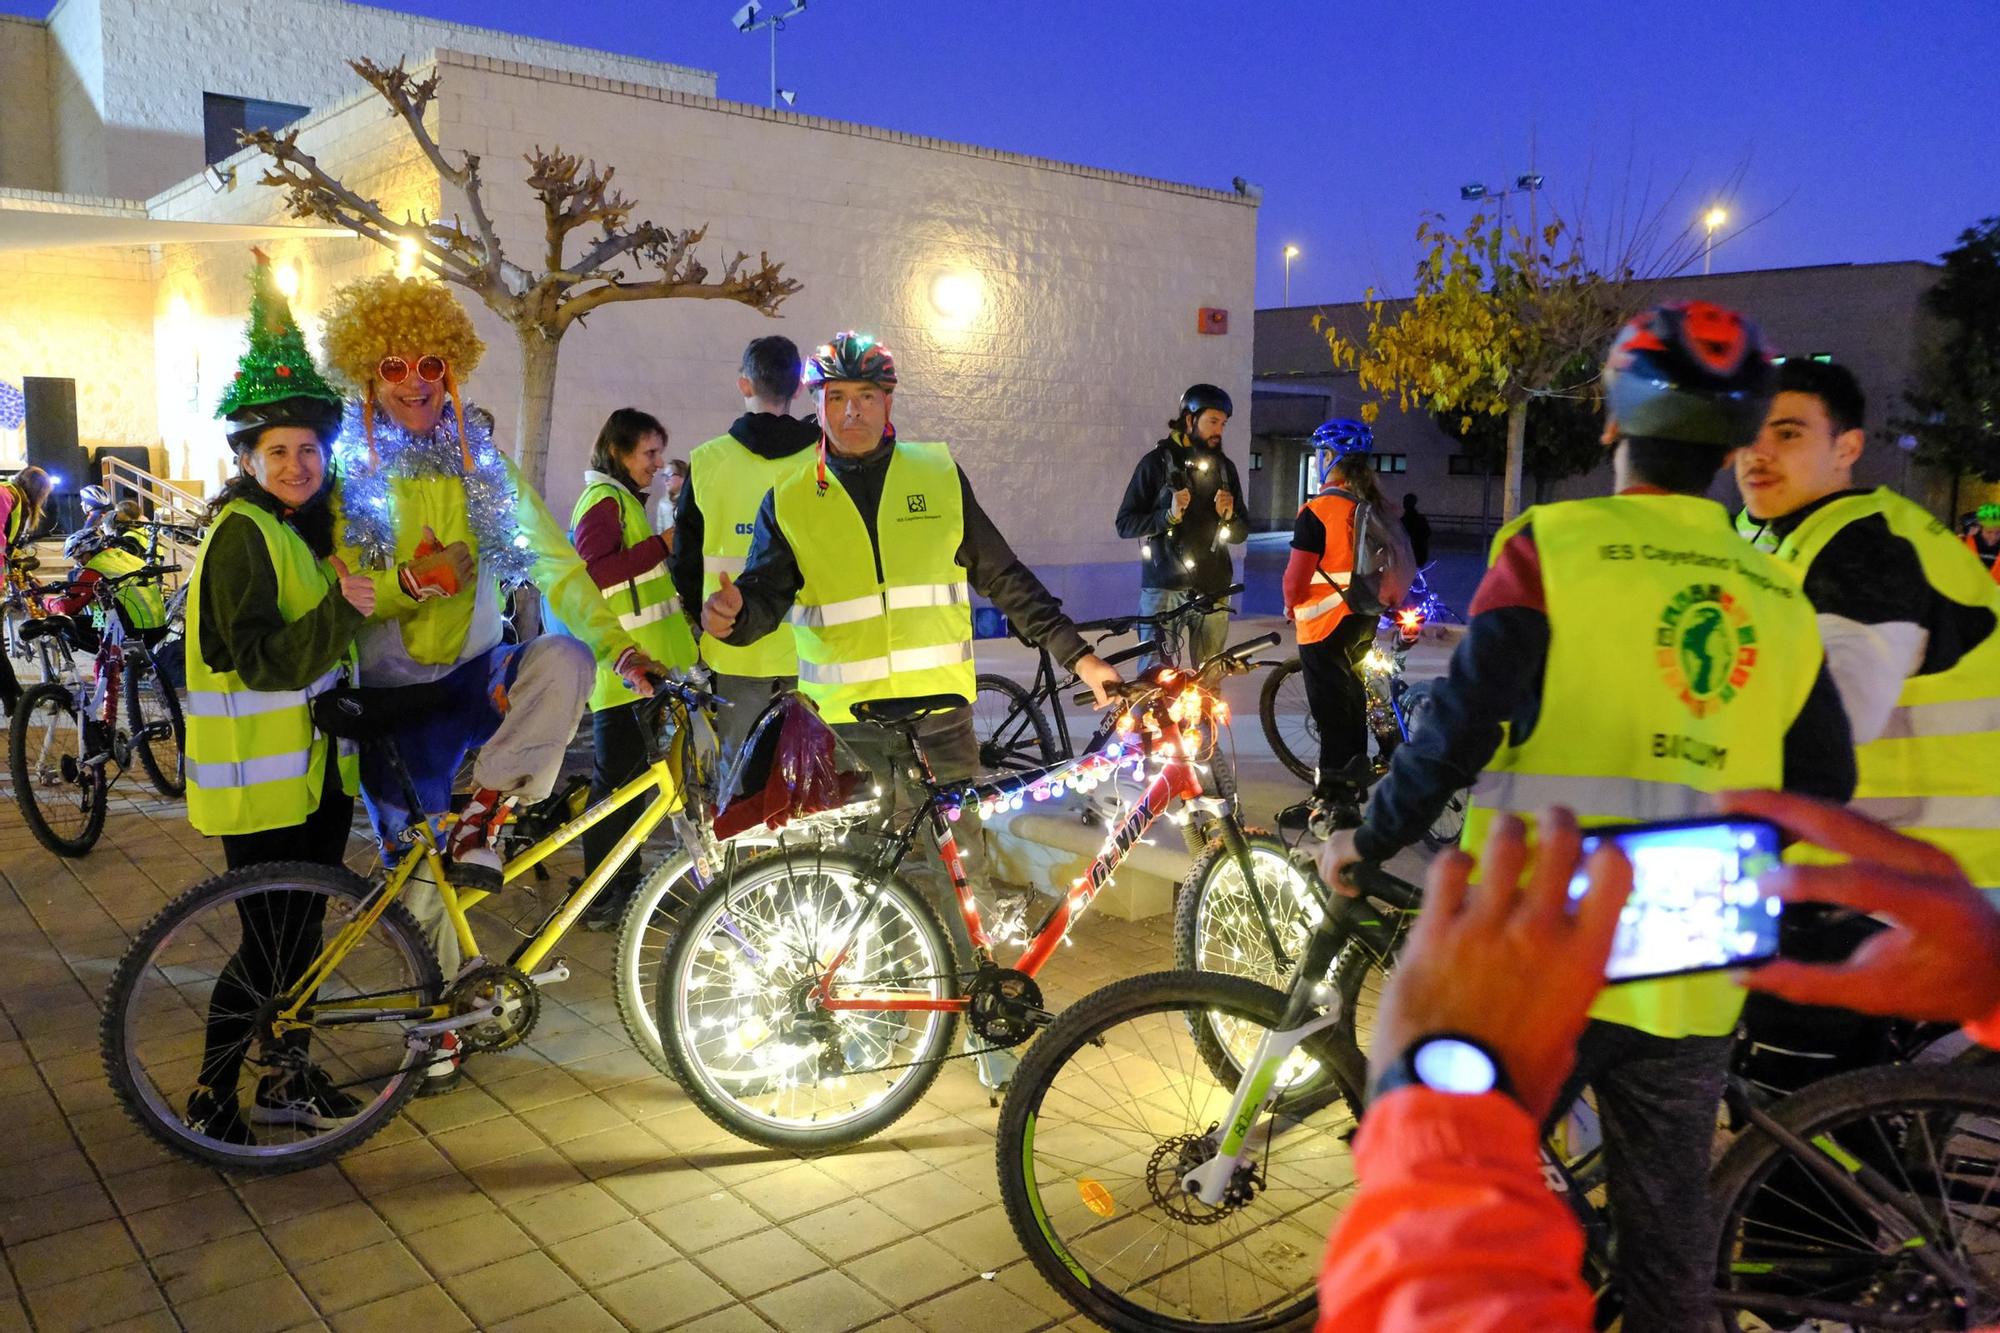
(535, 417)
(1517, 449)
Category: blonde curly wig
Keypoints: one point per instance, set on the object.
(390, 316)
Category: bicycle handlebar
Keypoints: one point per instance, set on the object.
(1139, 649)
(1234, 657)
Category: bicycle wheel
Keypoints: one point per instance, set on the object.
(1288, 721)
(1113, 1103)
(154, 711)
(1217, 924)
(1013, 734)
(191, 1005)
(739, 1023)
(1923, 1141)
(61, 796)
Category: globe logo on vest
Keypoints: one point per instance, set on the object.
(1705, 646)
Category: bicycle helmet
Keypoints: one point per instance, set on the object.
(1989, 516)
(1201, 397)
(850, 356)
(1344, 435)
(94, 498)
(318, 415)
(1689, 371)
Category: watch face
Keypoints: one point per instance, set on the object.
(1450, 1065)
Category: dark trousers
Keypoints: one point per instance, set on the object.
(1339, 701)
(618, 747)
(1656, 1100)
(10, 684)
(281, 932)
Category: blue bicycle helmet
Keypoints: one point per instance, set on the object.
(1344, 435)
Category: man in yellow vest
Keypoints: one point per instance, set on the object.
(1626, 658)
(1911, 620)
(874, 550)
(716, 512)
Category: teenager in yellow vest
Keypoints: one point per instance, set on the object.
(874, 551)
(1911, 620)
(628, 561)
(1626, 658)
(271, 621)
(21, 503)
(1983, 539)
(716, 512)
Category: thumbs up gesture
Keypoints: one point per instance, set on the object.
(719, 612)
(437, 570)
(358, 589)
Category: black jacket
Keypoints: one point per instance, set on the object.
(765, 434)
(771, 578)
(1184, 554)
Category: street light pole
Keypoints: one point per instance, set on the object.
(1526, 183)
(752, 18)
(1291, 253)
(1712, 220)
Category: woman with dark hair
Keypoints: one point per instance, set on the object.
(628, 561)
(271, 622)
(23, 501)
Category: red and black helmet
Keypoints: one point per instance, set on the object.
(850, 356)
(1691, 371)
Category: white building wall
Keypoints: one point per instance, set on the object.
(27, 137)
(76, 97)
(84, 315)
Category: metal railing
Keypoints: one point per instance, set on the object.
(164, 502)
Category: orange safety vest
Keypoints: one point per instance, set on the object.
(1325, 606)
(1992, 563)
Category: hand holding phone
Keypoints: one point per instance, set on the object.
(1697, 903)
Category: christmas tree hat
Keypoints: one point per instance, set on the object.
(276, 369)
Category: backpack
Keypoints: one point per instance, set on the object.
(1384, 565)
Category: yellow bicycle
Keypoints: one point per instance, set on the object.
(315, 996)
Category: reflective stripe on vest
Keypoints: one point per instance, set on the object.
(909, 633)
(730, 482)
(644, 604)
(1934, 772)
(254, 760)
(1314, 620)
(1677, 660)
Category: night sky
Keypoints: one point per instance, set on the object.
(1855, 132)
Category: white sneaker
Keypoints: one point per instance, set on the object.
(995, 1068)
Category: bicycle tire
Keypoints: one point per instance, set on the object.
(1828, 1114)
(154, 1112)
(168, 776)
(1021, 737)
(759, 1036)
(89, 781)
(1040, 1215)
(1269, 710)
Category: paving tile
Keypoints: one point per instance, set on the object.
(467, 1106)
(487, 1141)
(759, 1262)
(431, 1203)
(578, 1314)
(701, 1223)
(196, 1221)
(39, 1215)
(927, 1201)
(512, 1286)
(280, 1198)
(664, 1298)
(561, 1214)
(572, 1119)
(394, 1167)
(96, 1300)
(847, 1229)
(361, 1276)
(470, 1242)
(984, 1240)
(733, 1319)
(1021, 1278)
(60, 1168)
(538, 1087)
(420, 1310)
(188, 1275)
(264, 1306)
(72, 1254)
(794, 1191)
(168, 1182)
(317, 1236)
(828, 1301)
(656, 1186)
(514, 1179)
(986, 1306)
(599, 1258)
(907, 1272)
(625, 1148)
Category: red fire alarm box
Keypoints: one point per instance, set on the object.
(1212, 320)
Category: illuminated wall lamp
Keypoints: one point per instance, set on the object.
(957, 297)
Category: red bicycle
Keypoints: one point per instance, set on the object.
(811, 998)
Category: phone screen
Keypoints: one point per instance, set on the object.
(1696, 904)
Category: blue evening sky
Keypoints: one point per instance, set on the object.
(1855, 131)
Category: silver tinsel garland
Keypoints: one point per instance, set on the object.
(368, 502)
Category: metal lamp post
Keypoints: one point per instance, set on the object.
(752, 18)
(1291, 253)
(1712, 220)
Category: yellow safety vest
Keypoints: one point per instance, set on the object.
(17, 517)
(1678, 659)
(144, 605)
(646, 606)
(1934, 772)
(730, 482)
(908, 633)
(254, 759)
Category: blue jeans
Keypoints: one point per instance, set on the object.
(1186, 644)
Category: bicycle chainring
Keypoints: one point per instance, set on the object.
(1005, 1006)
(484, 988)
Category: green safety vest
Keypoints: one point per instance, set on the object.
(730, 482)
(1677, 661)
(645, 606)
(254, 759)
(144, 605)
(1934, 772)
(908, 633)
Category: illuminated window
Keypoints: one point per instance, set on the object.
(1392, 462)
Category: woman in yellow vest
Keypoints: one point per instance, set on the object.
(22, 502)
(271, 622)
(628, 561)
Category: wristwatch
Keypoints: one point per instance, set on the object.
(1444, 1062)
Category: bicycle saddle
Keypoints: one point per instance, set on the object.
(367, 713)
(894, 711)
(48, 626)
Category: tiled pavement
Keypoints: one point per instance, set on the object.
(569, 1187)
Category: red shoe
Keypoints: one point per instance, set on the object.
(475, 862)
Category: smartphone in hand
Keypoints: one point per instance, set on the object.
(1696, 903)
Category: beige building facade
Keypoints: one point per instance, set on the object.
(1044, 315)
